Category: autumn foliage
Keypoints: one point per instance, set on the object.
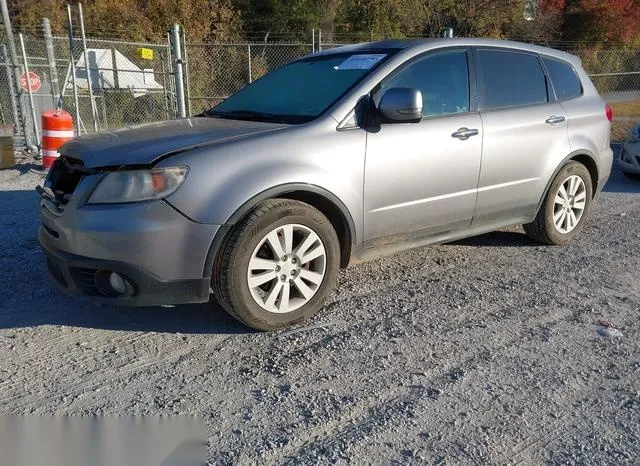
(613, 21)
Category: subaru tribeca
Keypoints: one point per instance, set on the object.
(340, 156)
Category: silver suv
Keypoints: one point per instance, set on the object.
(338, 157)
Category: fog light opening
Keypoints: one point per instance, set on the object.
(113, 285)
(117, 283)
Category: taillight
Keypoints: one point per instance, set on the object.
(609, 111)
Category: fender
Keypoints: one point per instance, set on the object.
(276, 191)
(573, 154)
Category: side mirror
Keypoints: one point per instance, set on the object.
(401, 104)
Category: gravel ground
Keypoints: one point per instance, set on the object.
(485, 350)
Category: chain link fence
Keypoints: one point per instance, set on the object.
(216, 71)
(615, 71)
(8, 102)
(115, 84)
(133, 82)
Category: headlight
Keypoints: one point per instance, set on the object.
(138, 185)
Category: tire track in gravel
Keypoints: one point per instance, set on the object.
(385, 411)
(418, 402)
(43, 355)
(329, 435)
(541, 433)
(461, 318)
(69, 387)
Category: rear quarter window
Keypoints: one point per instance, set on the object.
(564, 79)
(509, 79)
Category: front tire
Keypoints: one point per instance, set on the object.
(565, 207)
(278, 266)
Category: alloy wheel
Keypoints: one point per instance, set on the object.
(286, 268)
(569, 204)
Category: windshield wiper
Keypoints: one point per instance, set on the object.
(247, 115)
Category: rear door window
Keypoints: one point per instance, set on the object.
(509, 79)
(565, 81)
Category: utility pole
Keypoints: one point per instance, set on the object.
(51, 58)
(94, 110)
(177, 70)
(72, 64)
(13, 56)
(31, 104)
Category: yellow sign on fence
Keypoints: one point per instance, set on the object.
(145, 54)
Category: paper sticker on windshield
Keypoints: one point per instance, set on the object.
(360, 62)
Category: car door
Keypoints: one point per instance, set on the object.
(525, 131)
(421, 178)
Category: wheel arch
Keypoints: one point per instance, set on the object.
(326, 202)
(584, 157)
(589, 162)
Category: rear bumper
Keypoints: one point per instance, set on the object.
(604, 169)
(80, 276)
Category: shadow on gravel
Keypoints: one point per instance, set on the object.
(190, 319)
(28, 299)
(497, 238)
(23, 167)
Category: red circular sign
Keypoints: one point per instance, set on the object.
(34, 82)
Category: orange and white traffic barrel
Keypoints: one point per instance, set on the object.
(57, 128)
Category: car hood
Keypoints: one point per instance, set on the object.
(145, 144)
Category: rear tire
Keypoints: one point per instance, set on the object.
(566, 205)
(278, 265)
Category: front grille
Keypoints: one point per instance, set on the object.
(85, 280)
(56, 273)
(64, 177)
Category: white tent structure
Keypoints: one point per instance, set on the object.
(110, 69)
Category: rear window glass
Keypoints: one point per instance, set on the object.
(510, 79)
(565, 81)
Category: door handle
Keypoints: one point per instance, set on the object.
(465, 133)
(553, 120)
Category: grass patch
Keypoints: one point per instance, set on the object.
(626, 109)
(621, 130)
(630, 113)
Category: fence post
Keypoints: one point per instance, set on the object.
(94, 110)
(313, 41)
(186, 73)
(172, 77)
(177, 69)
(31, 104)
(51, 58)
(165, 91)
(320, 40)
(249, 56)
(114, 63)
(6, 20)
(12, 94)
(72, 64)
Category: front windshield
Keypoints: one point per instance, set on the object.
(300, 91)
